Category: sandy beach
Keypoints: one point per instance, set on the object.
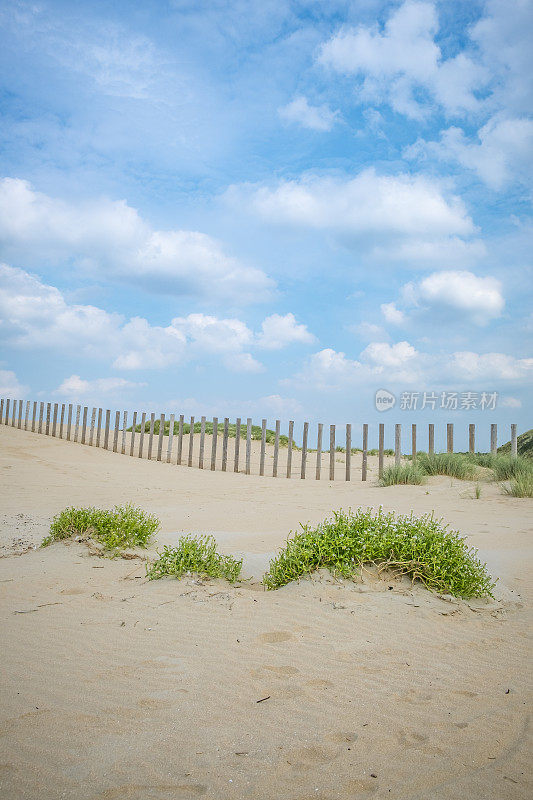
(118, 688)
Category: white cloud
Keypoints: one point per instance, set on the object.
(75, 388)
(110, 239)
(503, 150)
(370, 332)
(392, 314)
(510, 402)
(316, 118)
(277, 331)
(403, 60)
(490, 366)
(10, 386)
(479, 299)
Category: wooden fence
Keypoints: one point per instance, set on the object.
(95, 427)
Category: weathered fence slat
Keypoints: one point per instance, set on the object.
(115, 431)
(106, 429)
(77, 426)
(180, 440)
(151, 436)
(54, 420)
(34, 416)
(237, 444)
(19, 423)
(319, 451)
(514, 442)
(69, 423)
(141, 433)
(472, 437)
(202, 444)
(248, 444)
(1, 411)
(332, 452)
(124, 429)
(276, 450)
(449, 437)
(225, 437)
(365, 453)
(214, 444)
(494, 439)
(133, 426)
(48, 415)
(348, 451)
(305, 435)
(99, 427)
(7, 411)
(191, 442)
(84, 425)
(397, 443)
(263, 447)
(14, 414)
(170, 438)
(289, 448)
(413, 441)
(381, 445)
(93, 425)
(160, 437)
(26, 415)
(431, 438)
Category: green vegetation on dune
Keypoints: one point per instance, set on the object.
(196, 555)
(402, 474)
(452, 464)
(115, 529)
(421, 548)
(524, 445)
(232, 431)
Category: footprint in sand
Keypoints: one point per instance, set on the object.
(272, 637)
(320, 683)
(310, 756)
(342, 736)
(280, 672)
(361, 787)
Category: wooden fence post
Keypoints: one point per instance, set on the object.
(151, 436)
(69, 423)
(99, 427)
(248, 444)
(225, 445)
(1, 411)
(14, 414)
(514, 442)
(202, 444)
(77, 426)
(133, 431)
(494, 439)
(191, 442)
(413, 442)
(84, 425)
(472, 437)
(141, 434)
(431, 438)
(180, 440)
(289, 448)
(237, 444)
(19, 422)
(106, 429)
(348, 451)
(54, 420)
(449, 437)
(48, 415)
(319, 451)
(332, 452)
(26, 415)
(263, 447)
(34, 416)
(160, 437)
(276, 450)
(93, 425)
(365, 452)
(115, 432)
(124, 430)
(304, 450)
(397, 443)
(214, 444)
(381, 446)
(170, 438)
(8, 400)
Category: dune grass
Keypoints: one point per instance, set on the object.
(420, 547)
(520, 486)
(256, 431)
(116, 529)
(196, 555)
(402, 474)
(453, 464)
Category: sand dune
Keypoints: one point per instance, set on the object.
(114, 687)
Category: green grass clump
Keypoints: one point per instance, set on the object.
(504, 467)
(116, 529)
(453, 464)
(198, 555)
(401, 473)
(520, 486)
(421, 547)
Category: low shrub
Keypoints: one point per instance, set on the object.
(401, 473)
(116, 529)
(420, 547)
(195, 554)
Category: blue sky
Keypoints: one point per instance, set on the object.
(268, 209)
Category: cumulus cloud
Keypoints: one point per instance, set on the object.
(316, 118)
(277, 331)
(479, 299)
(75, 388)
(110, 239)
(10, 385)
(400, 62)
(392, 314)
